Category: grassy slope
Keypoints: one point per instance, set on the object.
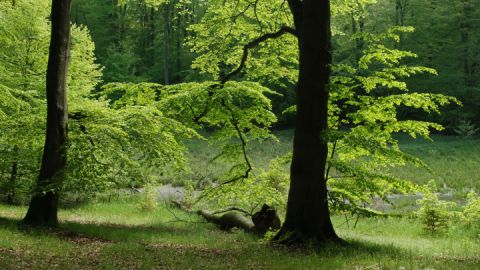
(119, 236)
(455, 162)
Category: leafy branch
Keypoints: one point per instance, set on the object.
(254, 43)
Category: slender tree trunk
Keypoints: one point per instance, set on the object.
(358, 27)
(166, 44)
(308, 216)
(151, 37)
(400, 13)
(44, 204)
(13, 177)
(465, 29)
(400, 8)
(178, 45)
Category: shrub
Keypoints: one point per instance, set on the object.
(471, 213)
(433, 212)
(466, 129)
(149, 198)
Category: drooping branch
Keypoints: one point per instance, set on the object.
(79, 116)
(249, 168)
(246, 51)
(252, 44)
(244, 148)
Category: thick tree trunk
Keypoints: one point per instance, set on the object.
(308, 218)
(44, 204)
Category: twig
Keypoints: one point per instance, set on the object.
(331, 157)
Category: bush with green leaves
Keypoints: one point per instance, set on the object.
(434, 213)
(148, 199)
(471, 213)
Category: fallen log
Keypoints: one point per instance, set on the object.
(258, 223)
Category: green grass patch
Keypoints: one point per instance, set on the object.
(118, 235)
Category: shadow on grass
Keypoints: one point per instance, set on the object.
(347, 248)
(105, 232)
(125, 246)
(109, 231)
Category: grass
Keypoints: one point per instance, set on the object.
(454, 161)
(117, 235)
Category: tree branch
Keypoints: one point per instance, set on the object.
(327, 176)
(254, 43)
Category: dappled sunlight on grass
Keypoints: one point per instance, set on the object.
(117, 235)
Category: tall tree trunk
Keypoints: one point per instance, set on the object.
(178, 45)
(166, 44)
(465, 29)
(358, 27)
(400, 13)
(308, 216)
(44, 204)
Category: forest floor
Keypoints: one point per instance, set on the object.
(119, 235)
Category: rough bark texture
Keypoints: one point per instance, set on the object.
(44, 204)
(308, 218)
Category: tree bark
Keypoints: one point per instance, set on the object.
(44, 204)
(308, 217)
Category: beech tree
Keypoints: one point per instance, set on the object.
(44, 204)
(340, 113)
(308, 217)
